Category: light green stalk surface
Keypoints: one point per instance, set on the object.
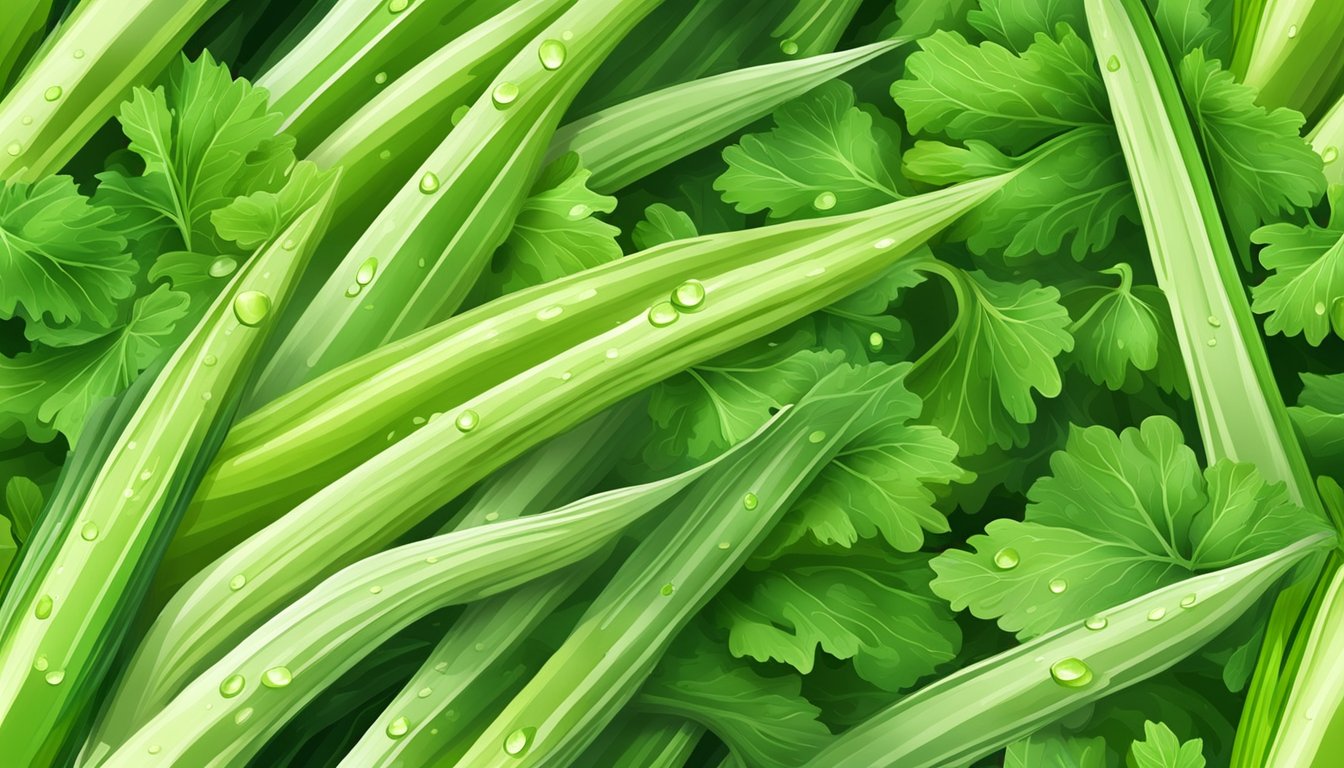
(675, 570)
(1315, 736)
(22, 23)
(1295, 58)
(83, 72)
(814, 26)
(428, 246)
(1327, 138)
(374, 503)
(225, 716)
(981, 708)
(59, 614)
(1241, 414)
(625, 143)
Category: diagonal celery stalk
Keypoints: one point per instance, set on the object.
(86, 68)
(1327, 138)
(256, 687)
(414, 265)
(22, 23)
(624, 143)
(642, 741)
(980, 708)
(1293, 55)
(814, 26)
(382, 144)
(371, 505)
(65, 607)
(356, 47)
(675, 570)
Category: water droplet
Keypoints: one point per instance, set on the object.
(816, 437)
(667, 590)
(28, 120)
(375, 589)
(1213, 342)
(1189, 600)
(237, 582)
(566, 376)
(875, 341)
(1319, 309)
(432, 559)
(243, 715)
(206, 396)
(1071, 673)
(14, 149)
(55, 676)
(1006, 559)
(364, 275)
(251, 307)
(460, 113)
(1058, 586)
(1095, 623)
(550, 313)
(43, 607)
(429, 183)
(613, 353)
(491, 517)
(1157, 614)
(442, 666)
(397, 6)
(41, 663)
(155, 749)
(750, 501)
(380, 78)
(663, 314)
(1292, 31)
(504, 94)
(552, 54)
(1330, 154)
(353, 290)
(386, 154)
(466, 420)
(479, 647)
(398, 728)
(788, 47)
(724, 545)
(1113, 64)
(128, 493)
(424, 693)
(824, 202)
(1215, 322)
(579, 211)
(884, 243)
(276, 677)
(53, 93)
(89, 532)
(689, 296)
(517, 742)
(223, 266)
(210, 360)
(79, 53)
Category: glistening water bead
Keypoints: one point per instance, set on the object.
(429, 183)
(398, 728)
(251, 308)
(232, 686)
(824, 202)
(1113, 64)
(364, 275)
(276, 677)
(1095, 623)
(53, 93)
(516, 743)
(466, 420)
(222, 267)
(750, 501)
(1006, 559)
(663, 314)
(689, 296)
(504, 94)
(1071, 672)
(552, 54)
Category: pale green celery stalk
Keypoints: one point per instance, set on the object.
(65, 609)
(386, 140)
(1242, 416)
(980, 708)
(84, 71)
(675, 570)
(1294, 57)
(227, 713)
(644, 741)
(489, 631)
(814, 26)
(624, 143)
(416, 262)
(1311, 727)
(359, 45)
(22, 23)
(1327, 138)
(377, 501)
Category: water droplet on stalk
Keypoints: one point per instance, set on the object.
(210, 360)
(613, 353)
(1189, 600)
(667, 590)
(243, 715)
(89, 532)
(1319, 309)
(14, 149)
(1330, 155)
(875, 341)
(788, 47)
(1006, 559)
(53, 93)
(1292, 31)
(1095, 623)
(466, 420)
(504, 94)
(662, 314)
(41, 663)
(689, 296)
(397, 6)
(251, 307)
(375, 589)
(1215, 322)
(424, 693)
(55, 676)
(550, 313)
(884, 243)
(750, 501)
(1071, 672)
(816, 436)
(237, 582)
(364, 275)
(552, 54)
(42, 609)
(1157, 614)
(276, 677)
(429, 183)
(380, 78)
(1113, 64)
(516, 743)
(398, 728)
(155, 749)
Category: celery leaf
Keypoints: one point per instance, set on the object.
(1052, 747)
(1120, 515)
(252, 219)
(1305, 295)
(1161, 748)
(1122, 330)
(23, 505)
(662, 224)
(1014, 23)
(1319, 415)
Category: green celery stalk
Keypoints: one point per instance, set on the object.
(374, 503)
(641, 741)
(420, 257)
(814, 26)
(92, 554)
(1327, 138)
(977, 710)
(22, 23)
(335, 69)
(385, 141)
(83, 72)
(624, 143)
(268, 677)
(675, 570)
(1293, 57)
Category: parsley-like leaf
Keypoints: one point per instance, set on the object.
(1014, 23)
(253, 219)
(824, 156)
(1162, 749)
(977, 381)
(1305, 295)
(1319, 415)
(1120, 515)
(23, 505)
(1122, 330)
(61, 258)
(862, 603)
(1052, 747)
(662, 224)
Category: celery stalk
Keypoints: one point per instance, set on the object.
(373, 504)
(64, 610)
(641, 741)
(1294, 55)
(1327, 138)
(22, 23)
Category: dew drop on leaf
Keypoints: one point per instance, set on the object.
(14, 149)
(89, 532)
(667, 590)
(55, 677)
(1292, 31)
(1071, 672)
(550, 313)
(223, 266)
(424, 693)
(53, 93)
(788, 47)
(1189, 600)
(243, 715)
(1058, 586)
(380, 78)
(1006, 559)
(1215, 322)
(824, 201)
(884, 243)
(875, 341)
(397, 6)
(1319, 309)
(41, 663)
(1330, 154)
(237, 582)
(816, 437)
